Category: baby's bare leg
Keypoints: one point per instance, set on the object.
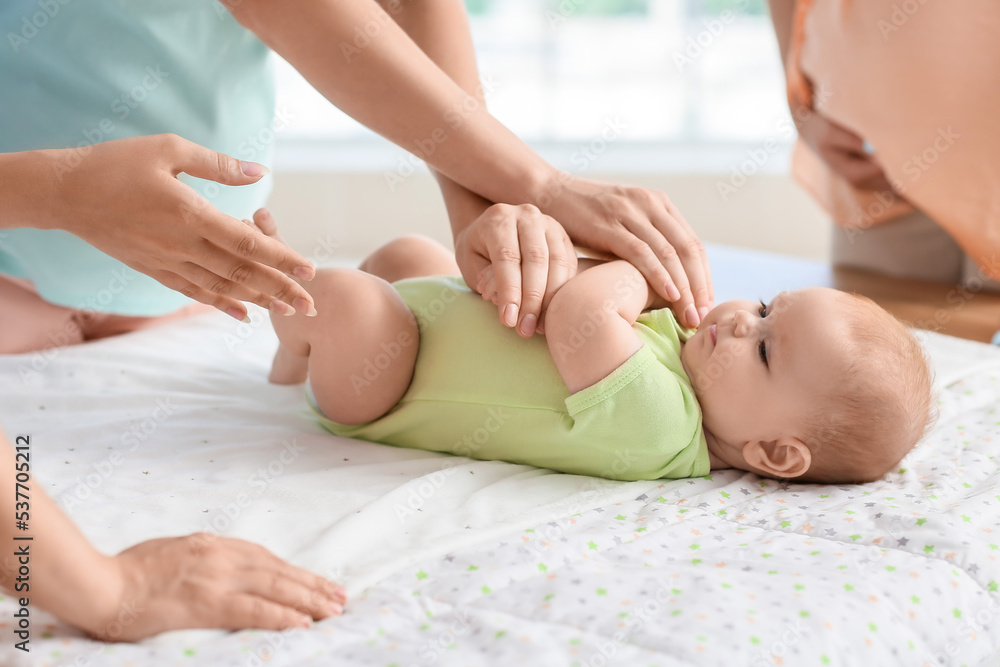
(360, 348)
(410, 257)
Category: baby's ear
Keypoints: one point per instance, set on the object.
(786, 456)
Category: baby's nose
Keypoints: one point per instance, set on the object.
(742, 323)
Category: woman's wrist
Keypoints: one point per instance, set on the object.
(94, 602)
(29, 187)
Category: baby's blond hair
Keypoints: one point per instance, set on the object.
(882, 407)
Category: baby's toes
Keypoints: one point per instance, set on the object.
(266, 224)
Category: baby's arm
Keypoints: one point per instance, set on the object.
(588, 324)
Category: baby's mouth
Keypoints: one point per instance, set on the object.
(713, 334)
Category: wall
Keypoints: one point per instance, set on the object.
(348, 214)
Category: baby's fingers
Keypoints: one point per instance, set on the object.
(487, 285)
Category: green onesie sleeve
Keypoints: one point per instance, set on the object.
(641, 422)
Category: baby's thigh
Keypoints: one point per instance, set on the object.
(363, 346)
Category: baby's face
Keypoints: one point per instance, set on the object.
(760, 371)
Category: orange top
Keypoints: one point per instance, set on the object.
(920, 80)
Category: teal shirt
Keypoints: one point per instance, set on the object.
(78, 72)
(480, 390)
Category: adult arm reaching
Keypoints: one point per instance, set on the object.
(363, 61)
(197, 581)
(123, 197)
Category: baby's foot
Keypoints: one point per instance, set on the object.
(264, 222)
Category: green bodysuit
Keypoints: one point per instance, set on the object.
(480, 390)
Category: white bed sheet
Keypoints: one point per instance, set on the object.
(455, 561)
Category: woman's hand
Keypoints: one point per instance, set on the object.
(641, 226)
(205, 581)
(123, 197)
(520, 257)
(843, 150)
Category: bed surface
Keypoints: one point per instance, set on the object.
(454, 561)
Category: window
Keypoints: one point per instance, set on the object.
(701, 72)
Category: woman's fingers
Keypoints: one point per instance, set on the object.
(216, 284)
(504, 251)
(534, 250)
(670, 260)
(278, 587)
(516, 257)
(693, 257)
(260, 558)
(200, 162)
(242, 610)
(242, 254)
(562, 267)
(228, 305)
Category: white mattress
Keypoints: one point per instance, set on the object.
(454, 561)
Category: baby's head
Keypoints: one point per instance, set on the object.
(816, 386)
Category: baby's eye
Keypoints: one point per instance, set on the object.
(763, 348)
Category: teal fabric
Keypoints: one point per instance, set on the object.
(78, 72)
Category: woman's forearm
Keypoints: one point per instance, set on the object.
(355, 54)
(57, 569)
(27, 183)
(441, 29)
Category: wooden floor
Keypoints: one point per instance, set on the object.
(946, 308)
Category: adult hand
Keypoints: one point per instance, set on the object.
(124, 198)
(521, 256)
(206, 581)
(844, 151)
(643, 227)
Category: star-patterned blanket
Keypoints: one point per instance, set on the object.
(450, 561)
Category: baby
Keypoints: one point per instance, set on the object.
(817, 385)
